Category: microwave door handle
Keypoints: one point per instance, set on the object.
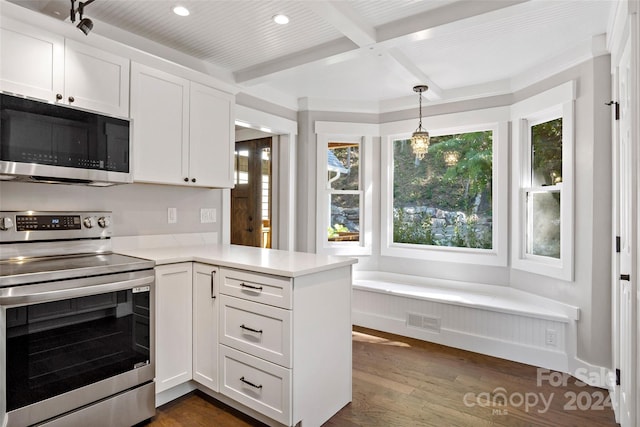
(29, 295)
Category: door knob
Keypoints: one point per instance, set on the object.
(71, 99)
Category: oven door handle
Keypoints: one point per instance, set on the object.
(30, 294)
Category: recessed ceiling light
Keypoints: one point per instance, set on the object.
(281, 19)
(181, 11)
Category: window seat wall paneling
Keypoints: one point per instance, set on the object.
(495, 320)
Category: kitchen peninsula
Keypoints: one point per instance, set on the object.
(265, 331)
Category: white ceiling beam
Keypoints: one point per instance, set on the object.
(344, 19)
(435, 92)
(444, 19)
(334, 51)
(359, 35)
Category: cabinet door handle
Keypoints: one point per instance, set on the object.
(58, 96)
(257, 288)
(251, 329)
(626, 277)
(71, 99)
(213, 278)
(186, 180)
(250, 383)
(193, 180)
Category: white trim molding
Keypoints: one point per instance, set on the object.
(493, 119)
(554, 103)
(361, 134)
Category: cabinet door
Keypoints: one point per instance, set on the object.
(96, 80)
(211, 136)
(205, 325)
(160, 113)
(173, 325)
(31, 61)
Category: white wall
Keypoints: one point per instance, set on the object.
(138, 209)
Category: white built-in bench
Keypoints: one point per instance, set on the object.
(497, 320)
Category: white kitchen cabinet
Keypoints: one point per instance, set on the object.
(182, 130)
(31, 61)
(96, 80)
(173, 325)
(45, 66)
(205, 325)
(285, 343)
(159, 109)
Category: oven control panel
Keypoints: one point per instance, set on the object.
(32, 225)
(47, 222)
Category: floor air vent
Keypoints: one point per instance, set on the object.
(431, 324)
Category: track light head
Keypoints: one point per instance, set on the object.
(85, 25)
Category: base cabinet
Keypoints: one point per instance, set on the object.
(276, 347)
(205, 325)
(173, 325)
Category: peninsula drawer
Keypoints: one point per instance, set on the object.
(256, 383)
(258, 329)
(262, 288)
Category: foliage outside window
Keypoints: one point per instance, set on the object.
(343, 191)
(445, 199)
(543, 236)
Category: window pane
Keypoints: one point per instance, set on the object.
(241, 167)
(546, 153)
(444, 199)
(345, 218)
(543, 223)
(343, 163)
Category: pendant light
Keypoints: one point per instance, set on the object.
(420, 138)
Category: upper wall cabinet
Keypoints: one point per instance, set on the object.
(182, 130)
(42, 65)
(96, 80)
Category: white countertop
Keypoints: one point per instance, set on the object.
(270, 261)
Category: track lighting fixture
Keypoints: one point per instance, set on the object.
(85, 25)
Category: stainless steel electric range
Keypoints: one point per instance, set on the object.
(76, 323)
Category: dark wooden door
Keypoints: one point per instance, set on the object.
(247, 202)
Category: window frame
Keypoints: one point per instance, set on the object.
(493, 119)
(554, 103)
(361, 134)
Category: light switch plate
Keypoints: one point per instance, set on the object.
(207, 215)
(172, 215)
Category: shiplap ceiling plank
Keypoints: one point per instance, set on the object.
(363, 50)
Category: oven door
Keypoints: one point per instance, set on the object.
(72, 343)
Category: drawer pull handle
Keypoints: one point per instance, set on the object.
(250, 383)
(251, 329)
(257, 288)
(213, 279)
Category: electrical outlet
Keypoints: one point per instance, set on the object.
(172, 215)
(207, 215)
(551, 337)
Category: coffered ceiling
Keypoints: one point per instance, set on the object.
(363, 54)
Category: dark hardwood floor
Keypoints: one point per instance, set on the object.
(399, 381)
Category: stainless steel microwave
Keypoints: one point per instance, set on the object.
(43, 142)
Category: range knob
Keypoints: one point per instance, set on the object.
(6, 223)
(104, 222)
(89, 222)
